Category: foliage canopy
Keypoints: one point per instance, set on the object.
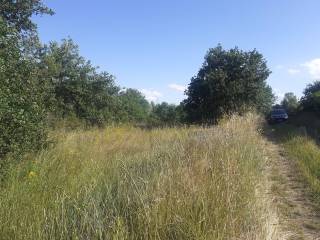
(22, 112)
(290, 102)
(311, 99)
(228, 82)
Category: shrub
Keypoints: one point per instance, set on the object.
(22, 114)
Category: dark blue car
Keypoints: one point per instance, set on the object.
(278, 115)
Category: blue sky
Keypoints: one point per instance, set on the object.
(157, 46)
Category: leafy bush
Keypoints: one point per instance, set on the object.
(165, 114)
(22, 113)
(311, 99)
(79, 90)
(290, 103)
(135, 107)
(229, 81)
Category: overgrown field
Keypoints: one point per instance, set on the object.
(128, 183)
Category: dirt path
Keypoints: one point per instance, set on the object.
(299, 217)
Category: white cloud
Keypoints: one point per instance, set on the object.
(293, 71)
(279, 66)
(313, 67)
(151, 95)
(177, 87)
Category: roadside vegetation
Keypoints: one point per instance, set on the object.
(304, 152)
(128, 183)
(300, 136)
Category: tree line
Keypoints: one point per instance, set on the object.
(42, 84)
(309, 102)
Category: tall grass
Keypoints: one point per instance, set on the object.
(303, 151)
(306, 154)
(127, 183)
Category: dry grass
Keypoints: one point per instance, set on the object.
(126, 183)
(306, 154)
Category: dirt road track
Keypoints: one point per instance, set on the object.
(299, 216)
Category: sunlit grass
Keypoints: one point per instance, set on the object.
(306, 154)
(127, 183)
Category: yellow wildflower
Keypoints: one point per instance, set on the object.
(32, 174)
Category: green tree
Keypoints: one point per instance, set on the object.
(22, 113)
(290, 102)
(22, 90)
(311, 99)
(165, 114)
(134, 106)
(228, 81)
(77, 88)
(17, 14)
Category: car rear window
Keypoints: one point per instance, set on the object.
(278, 111)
